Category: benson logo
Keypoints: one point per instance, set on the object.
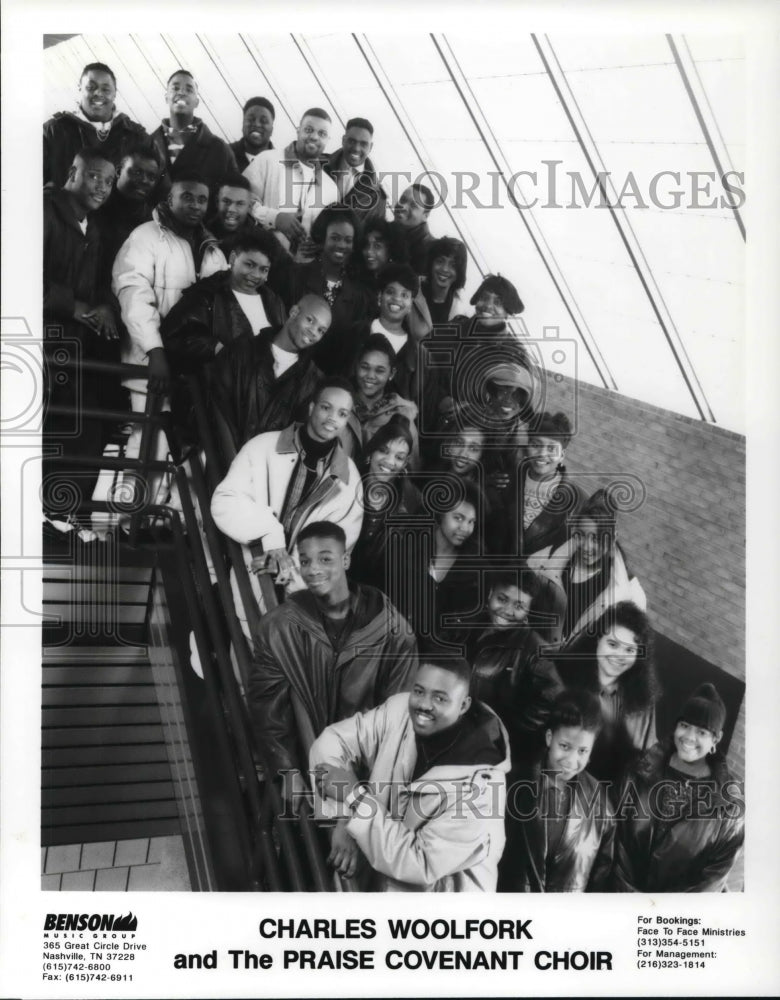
(89, 921)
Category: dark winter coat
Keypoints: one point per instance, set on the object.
(366, 197)
(72, 265)
(696, 847)
(208, 314)
(418, 242)
(335, 352)
(204, 153)
(250, 398)
(510, 674)
(369, 560)
(299, 683)
(582, 859)
(66, 133)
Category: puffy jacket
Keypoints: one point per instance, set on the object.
(250, 398)
(692, 851)
(208, 314)
(151, 271)
(66, 133)
(299, 681)
(582, 860)
(248, 502)
(443, 831)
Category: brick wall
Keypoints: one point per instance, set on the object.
(686, 542)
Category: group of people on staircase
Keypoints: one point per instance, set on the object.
(458, 621)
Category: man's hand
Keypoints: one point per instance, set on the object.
(277, 561)
(344, 852)
(159, 371)
(102, 321)
(335, 782)
(289, 225)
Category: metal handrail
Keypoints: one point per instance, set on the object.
(256, 805)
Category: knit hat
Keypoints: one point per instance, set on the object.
(504, 289)
(705, 709)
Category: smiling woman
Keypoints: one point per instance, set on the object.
(616, 663)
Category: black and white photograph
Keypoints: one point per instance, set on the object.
(378, 518)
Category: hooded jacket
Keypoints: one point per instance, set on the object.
(66, 133)
(692, 851)
(151, 272)
(582, 859)
(300, 682)
(443, 831)
(366, 197)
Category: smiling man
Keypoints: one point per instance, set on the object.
(186, 141)
(282, 480)
(264, 383)
(430, 818)
(132, 200)
(95, 124)
(257, 127)
(290, 186)
(411, 220)
(329, 651)
(77, 309)
(354, 173)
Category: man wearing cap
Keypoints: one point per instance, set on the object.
(354, 173)
(95, 124)
(291, 188)
(256, 131)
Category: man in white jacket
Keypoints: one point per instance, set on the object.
(290, 186)
(431, 815)
(282, 480)
(157, 262)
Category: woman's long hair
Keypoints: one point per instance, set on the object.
(639, 687)
(447, 246)
(444, 498)
(397, 250)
